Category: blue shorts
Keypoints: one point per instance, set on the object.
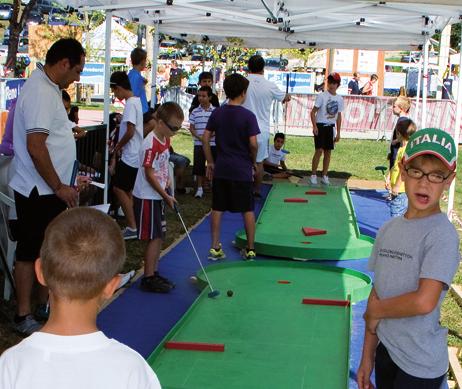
(398, 205)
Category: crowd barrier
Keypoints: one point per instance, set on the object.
(91, 151)
(364, 117)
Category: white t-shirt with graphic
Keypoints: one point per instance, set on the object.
(155, 154)
(329, 107)
(133, 113)
(275, 156)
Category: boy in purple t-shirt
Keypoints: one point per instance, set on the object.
(235, 129)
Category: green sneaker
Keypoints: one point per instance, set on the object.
(216, 253)
(248, 254)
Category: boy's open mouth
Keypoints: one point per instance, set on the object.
(422, 198)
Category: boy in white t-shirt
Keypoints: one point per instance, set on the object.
(275, 163)
(151, 192)
(326, 118)
(127, 148)
(80, 258)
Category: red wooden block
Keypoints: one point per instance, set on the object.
(194, 346)
(315, 192)
(339, 303)
(308, 231)
(295, 200)
(306, 242)
(283, 282)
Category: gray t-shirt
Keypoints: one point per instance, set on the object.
(405, 251)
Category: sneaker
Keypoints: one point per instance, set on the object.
(42, 312)
(154, 284)
(27, 326)
(199, 193)
(248, 254)
(325, 180)
(164, 280)
(314, 180)
(215, 254)
(128, 233)
(120, 212)
(125, 278)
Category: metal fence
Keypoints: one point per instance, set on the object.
(91, 151)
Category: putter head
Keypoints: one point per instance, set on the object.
(381, 168)
(213, 293)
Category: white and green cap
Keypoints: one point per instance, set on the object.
(432, 141)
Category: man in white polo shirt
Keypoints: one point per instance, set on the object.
(45, 153)
(260, 96)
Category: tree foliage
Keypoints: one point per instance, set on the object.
(17, 22)
(301, 54)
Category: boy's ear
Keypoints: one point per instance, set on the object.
(449, 180)
(111, 287)
(39, 272)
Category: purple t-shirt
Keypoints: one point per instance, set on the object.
(233, 126)
(6, 147)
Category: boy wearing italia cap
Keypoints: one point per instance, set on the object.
(414, 260)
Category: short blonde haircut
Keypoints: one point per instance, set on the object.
(403, 102)
(82, 251)
(169, 110)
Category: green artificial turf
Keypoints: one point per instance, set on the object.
(271, 339)
(279, 225)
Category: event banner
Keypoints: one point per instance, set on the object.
(365, 114)
(298, 83)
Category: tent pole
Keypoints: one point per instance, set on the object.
(452, 188)
(107, 75)
(155, 56)
(425, 84)
(419, 83)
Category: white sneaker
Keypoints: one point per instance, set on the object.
(325, 180)
(314, 180)
(125, 278)
(199, 193)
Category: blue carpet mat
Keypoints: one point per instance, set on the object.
(141, 320)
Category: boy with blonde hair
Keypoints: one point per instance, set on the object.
(80, 258)
(398, 204)
(401, 107)
(414, 259)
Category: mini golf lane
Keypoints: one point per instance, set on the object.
(279, 231)
(270, 338)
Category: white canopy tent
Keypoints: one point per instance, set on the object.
(366, 24)
(123, 40)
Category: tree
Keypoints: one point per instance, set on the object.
(301, 54)
(17, 22)
(235, 55)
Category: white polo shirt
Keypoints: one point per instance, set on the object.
(133, 113)
(259, 97)
(40, 108)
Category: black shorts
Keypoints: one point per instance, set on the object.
(125, 176)
(389, 375)
(199, 160)
(34, 214)
(325, 138)
(150, 218)
(232, 196)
